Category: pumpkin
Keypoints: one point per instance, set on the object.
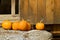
(28, 26)
(15, 25)
(6, 24)
(22, 25)
(40, 26)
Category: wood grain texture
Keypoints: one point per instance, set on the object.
(50, 11)
(21, 8)
(41, 10)
(57, 12)
(24, 9)
(33, 10)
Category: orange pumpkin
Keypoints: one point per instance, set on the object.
(15, 25)
(39, 26)
(28, 26)
(22, 25)
(6, 24)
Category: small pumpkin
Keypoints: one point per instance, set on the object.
(15, 25)
(6, 24)
(40, 26)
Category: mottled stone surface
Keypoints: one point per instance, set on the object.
(25, 35)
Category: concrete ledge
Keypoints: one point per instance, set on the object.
(25, 35)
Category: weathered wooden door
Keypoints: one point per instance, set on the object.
(35, 10)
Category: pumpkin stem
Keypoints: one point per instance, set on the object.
(41, 20)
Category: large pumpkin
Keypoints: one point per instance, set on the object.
(6, 24)
(22, 25)
(28, 26)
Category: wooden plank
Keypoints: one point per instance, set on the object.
(50, 11)
(33, 10)
(21, 8)
(57, 12)
(41, 10)
(55, 32)
(24, 9)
